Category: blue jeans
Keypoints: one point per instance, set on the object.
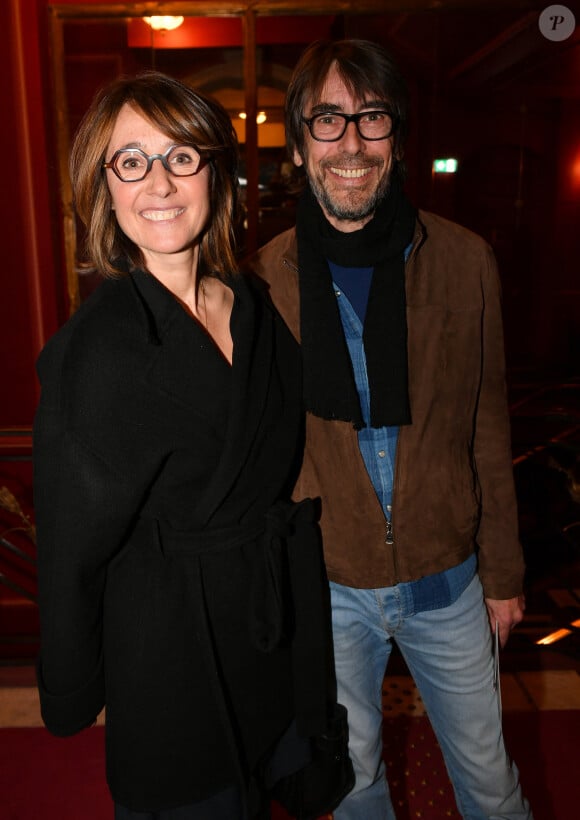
(449, 654)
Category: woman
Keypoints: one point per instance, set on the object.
(178, 584)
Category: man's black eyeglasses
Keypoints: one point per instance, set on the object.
(330, 126)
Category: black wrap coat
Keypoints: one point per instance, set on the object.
(178, 586)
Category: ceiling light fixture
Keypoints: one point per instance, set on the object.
(164, 23)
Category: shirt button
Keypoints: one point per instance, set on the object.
(337, 293)
(381, 453)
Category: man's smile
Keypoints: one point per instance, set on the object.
(351, 173)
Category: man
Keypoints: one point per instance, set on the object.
(407, 431)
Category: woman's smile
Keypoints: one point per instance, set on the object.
(162, 215)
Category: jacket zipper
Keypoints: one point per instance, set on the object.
(390, 533)
(389, 539)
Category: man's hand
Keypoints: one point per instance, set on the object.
(506, 613)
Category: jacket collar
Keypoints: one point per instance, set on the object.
(159, 308)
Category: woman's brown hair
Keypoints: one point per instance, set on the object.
(187, 117)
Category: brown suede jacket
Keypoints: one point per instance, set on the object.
(453, 488)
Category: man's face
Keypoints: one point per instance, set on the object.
(349, 176)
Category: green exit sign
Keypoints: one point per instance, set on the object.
(445, 166)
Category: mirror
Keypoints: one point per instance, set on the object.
(487, 88)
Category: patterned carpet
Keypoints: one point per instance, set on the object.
(47, 778)
(545, 746)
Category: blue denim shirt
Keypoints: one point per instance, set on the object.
(378, 444)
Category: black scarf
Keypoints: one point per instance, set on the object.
(329, 385)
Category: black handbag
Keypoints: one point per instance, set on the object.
(324, 782)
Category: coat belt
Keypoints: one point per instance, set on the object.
(289, 594)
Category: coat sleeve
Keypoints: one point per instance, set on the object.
(84, 505)
(501, 565)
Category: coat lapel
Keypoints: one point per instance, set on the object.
(183, 364)
(252, 329)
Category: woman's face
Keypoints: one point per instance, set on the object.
(163, 214)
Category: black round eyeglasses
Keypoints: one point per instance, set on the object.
(133, 164)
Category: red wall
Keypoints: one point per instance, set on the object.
(31, 305)
(33, 299)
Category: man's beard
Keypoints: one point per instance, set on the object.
(353, 208)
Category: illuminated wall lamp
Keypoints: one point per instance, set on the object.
(558, 634)
(260, 116)
(164, 23)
